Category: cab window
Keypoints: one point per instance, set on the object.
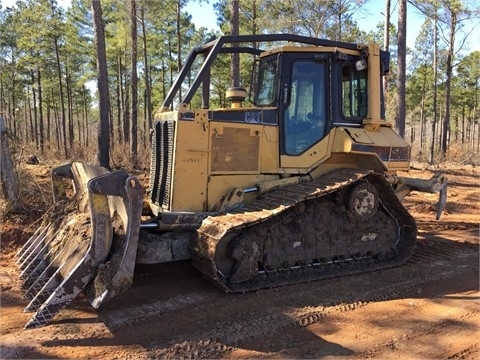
(305, 115)
(267, 78)
(354, 92)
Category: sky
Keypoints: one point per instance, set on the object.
(204, 15)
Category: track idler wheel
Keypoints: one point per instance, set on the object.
(362, 201)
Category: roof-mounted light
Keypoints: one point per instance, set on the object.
(361, 64)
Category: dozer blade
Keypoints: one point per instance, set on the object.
(77, 236)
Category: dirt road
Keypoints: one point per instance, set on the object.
(428, 308)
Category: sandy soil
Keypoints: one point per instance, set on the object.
(428, 308)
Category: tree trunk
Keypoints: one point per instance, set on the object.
(448, 83)
(35, 117)
(49, 114)
(170, 61)
(162, 81)
(423, 117)
(40, 113)
(126, 107)
(103, 152)
(254, 22)
(3, 108)
(68, 90)
(111, 122)
(58, 136)
(401, 75)
(179, 44)
(29, 106)
(26, 116)
(85, 117)
(119, 101)
(148, 90)
(340, 24)
(134, 83)
(11, 106)
(62, 99)
(473, 124)
(386, 44)
(422, 123)
(434, 121)
(9, 185)
(234, 24)
(79, 122)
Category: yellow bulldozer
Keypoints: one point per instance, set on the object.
(298, 185)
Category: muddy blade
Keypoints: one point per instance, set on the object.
(69, 271)
(64, 255)
(116, 275)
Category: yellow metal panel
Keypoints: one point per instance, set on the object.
(361, 136)
(269, 154)
(342, 142)
(388, 136)
(374, 119)
(382, 149)
(189, 192)
(219, 185)
(300, 164)
(383, 136)
(392, 167)
(374, 82)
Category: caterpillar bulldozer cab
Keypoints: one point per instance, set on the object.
(296, 184)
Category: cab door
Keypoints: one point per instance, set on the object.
(304, 115)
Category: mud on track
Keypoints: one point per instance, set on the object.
(428, 308)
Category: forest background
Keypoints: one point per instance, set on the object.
(48, 69)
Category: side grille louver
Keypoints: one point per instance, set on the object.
(162, 159)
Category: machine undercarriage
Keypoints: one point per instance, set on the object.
(341, 223)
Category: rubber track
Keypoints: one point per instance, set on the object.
(274, 204)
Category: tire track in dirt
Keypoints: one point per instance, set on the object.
(467, 353)
(423, 256)
(420, 331)
(212, 324)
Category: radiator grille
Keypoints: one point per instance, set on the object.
(161, 164)
(235, 150)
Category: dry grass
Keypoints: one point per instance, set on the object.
(120, 158)
(119, 155)
(35, 190)
(18, 223)
(461, 154)
(457, 153)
